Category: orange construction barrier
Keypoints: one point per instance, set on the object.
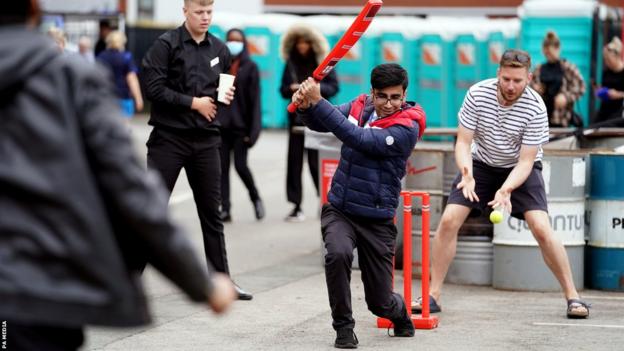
(424, 320)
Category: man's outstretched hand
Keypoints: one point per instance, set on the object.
(222, 294)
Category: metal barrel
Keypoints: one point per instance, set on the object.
(430, 168)
(605, 251)
(518, 262)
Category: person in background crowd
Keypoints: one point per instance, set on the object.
(124, 72)
(240, 123)
(105, 29)
(303, 48)
(611, 93)
(181, 72)
(77, 207)
(85, 49)
(58, 35)
(559, 82)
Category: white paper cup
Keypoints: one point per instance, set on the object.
(225, 82)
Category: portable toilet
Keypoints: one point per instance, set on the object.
(435, 72)
(572, 20)
(263, 38)
(353, 70)
(496, 44)
(224, 22)
(398, 43)
(500, 35)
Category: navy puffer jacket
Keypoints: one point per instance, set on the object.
(373, 158)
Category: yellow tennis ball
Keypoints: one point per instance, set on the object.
(496, 216)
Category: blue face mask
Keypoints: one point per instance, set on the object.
(235, 47)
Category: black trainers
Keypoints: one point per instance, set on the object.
(403, 327)
(259, 209)
(296, 215)
(346, 339)
(225, 216)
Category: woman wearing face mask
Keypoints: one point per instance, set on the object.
(559, 82)
(240, 123)
(303, 48)
(611, 93)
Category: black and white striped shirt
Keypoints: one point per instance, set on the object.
(499, 131)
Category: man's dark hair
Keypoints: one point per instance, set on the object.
(105, 23)
(388, 75)
(14, 12)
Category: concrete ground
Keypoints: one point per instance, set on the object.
(281, 264)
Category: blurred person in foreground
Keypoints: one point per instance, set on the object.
(611, 93)
(303, 48)
(181, 75)
(502, 128)
(560, 84)
(378, 134)
(79, 214)
(240, 123)
(123, 72)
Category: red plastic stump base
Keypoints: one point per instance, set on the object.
(419, 321)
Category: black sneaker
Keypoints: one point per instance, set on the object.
(403, 327)
(259, 209)
(346, 339)
(225, 216)
(242, 294)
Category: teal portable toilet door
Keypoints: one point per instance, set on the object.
(394, 47)
(264, 50)
(467, 71)
(433, 80)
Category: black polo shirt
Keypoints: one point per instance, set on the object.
(176, 69)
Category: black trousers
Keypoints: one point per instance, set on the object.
(22, 337)
(294, 191)
(198, 153)
(233, 141)
(375, 241)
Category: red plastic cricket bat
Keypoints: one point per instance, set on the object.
(351, 36)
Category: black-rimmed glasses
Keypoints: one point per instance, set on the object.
(383, 99)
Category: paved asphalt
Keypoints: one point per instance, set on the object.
(281, 264)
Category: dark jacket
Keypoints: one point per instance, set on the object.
(120, 64)
(298, 68)
(77, 208)
(176, 69)
(373, 159)
(244, 113)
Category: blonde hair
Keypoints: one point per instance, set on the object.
(116, 40)
(551, 39)
(58, 36)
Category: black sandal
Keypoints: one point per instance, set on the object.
(433, 305)
(574, 313)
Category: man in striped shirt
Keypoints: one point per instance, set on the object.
(502, 126)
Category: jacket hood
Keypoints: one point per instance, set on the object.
(22, 53)
(245, 53)
(316, 38)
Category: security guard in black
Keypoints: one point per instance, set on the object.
(175, 70)
(181, 72)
